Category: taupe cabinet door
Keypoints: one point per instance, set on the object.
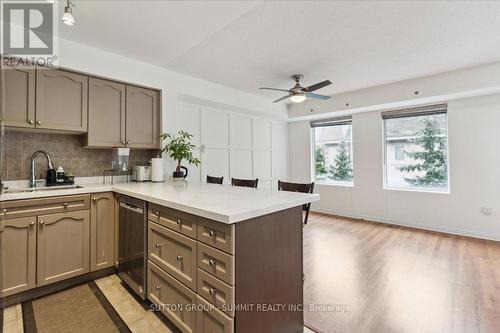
(102, 231)
(17, 255)
(61, 100)
(19, 97)
(63, 246)
(106, 114)
(142, 118)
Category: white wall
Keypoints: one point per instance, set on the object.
(179, 90)
(237, 145)
(474, 141)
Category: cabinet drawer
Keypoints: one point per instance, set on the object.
(216, 234)
(217, 263)
(217, 292)
(172, 298)
(173, 219)
(173, 252)
(212, 320)
(32, 207)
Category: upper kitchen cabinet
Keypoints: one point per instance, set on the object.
(106, 115)
(143, 121)
(61, 100)
(19, 97)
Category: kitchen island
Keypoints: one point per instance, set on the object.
(219, 258)
(234, 252)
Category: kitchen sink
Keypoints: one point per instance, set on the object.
(40, 189)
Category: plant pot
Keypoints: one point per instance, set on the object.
(179, 176)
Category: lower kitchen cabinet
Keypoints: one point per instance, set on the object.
(17, 255)
(63, 246)
(102, 231)
(209, 319)
(174, 300)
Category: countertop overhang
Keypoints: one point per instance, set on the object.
(223, 203)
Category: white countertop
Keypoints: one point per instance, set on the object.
(85, 189)
(223, 203)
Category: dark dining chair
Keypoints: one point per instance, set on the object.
(245, 182)
(298, 187)
(215, 180)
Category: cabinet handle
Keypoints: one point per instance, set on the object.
(31, 122)
(65, 205)
(212, 233)
(179, 222)
(128, 142)
(212, 262)
(32, 224)
(94, 199)
(180, 258)
(42, 222)
(123, 142)
(158, 287)
(38, 122)
(211, 291)
(157, 214)
(5, 210)
(157, 245)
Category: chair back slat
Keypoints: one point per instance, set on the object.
(245, 182)
(215, 180)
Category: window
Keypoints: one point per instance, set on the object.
(416, 148)
(333, 151)
(399, 153)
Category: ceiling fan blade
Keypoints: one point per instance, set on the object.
(275, 89)
(280, 99)
(318, 86)
(317, 96)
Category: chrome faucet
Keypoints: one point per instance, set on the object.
(33, 180)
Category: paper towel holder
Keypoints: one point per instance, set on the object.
(157, 169)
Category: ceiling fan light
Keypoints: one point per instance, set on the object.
(297, 98)
(68, 16)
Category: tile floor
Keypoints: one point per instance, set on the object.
(138, 319)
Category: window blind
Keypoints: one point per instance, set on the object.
(347, 120)
(416, 111)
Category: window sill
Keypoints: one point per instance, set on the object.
(334, 184)
(419, 190)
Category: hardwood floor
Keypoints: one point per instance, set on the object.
(396, 279)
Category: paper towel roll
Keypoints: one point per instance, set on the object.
(157, 169)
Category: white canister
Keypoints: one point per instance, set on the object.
(157, 169)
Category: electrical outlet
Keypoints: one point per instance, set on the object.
(486, 211)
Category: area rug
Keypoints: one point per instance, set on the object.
(77, 310)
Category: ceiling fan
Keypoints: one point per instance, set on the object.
(298, 94)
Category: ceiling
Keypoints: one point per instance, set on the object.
(249, 44)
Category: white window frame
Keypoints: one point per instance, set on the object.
(415, 189)
(313, 161)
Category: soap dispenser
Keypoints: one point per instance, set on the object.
(60, 174)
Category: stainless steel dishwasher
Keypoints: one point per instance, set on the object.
(132, 243)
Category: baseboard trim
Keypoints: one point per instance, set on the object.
(442, 230)
(55, 287)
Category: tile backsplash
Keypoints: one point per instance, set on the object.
(64, 150)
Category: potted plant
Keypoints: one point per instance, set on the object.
(179, 147)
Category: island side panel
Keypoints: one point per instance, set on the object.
(268, 268)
